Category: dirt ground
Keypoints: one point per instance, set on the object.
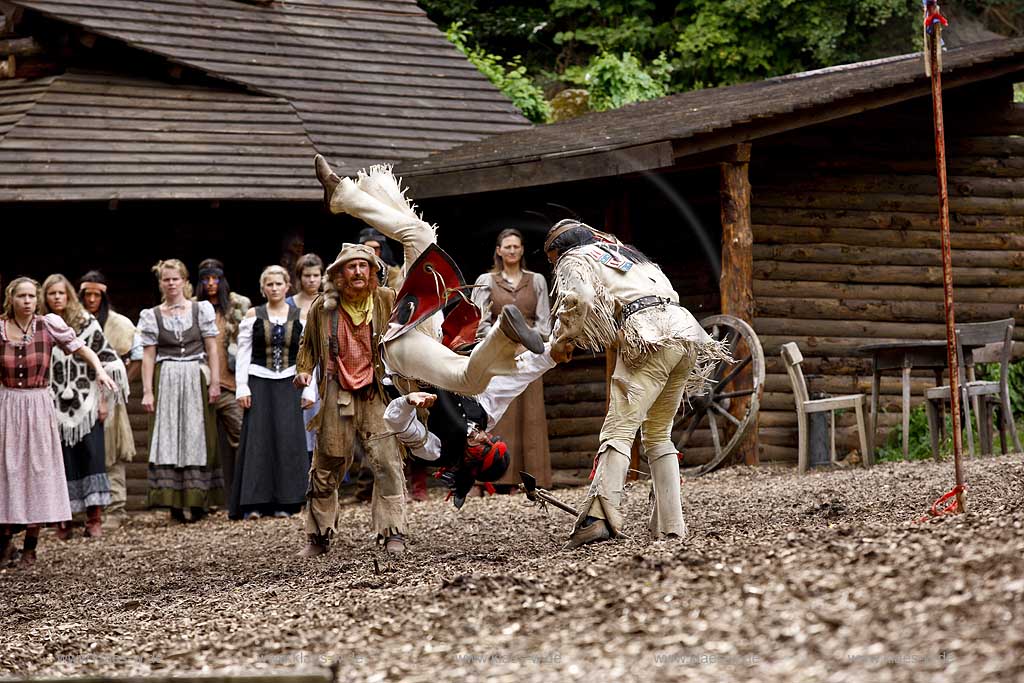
(783, 578)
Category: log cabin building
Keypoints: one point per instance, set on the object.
(805, 204)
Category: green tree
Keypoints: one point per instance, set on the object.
(625, 50)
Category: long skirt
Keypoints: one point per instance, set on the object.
(524, 428)
(271, 469)
(86, 470)
(184, 471)
(33, 489)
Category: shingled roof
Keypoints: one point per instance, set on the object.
(654, 134)
(102, 136)
(371, 80)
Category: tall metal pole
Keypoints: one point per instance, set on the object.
(933, 46)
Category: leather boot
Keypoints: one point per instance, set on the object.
(94, 522)
(394, 545)
(315, 546)
(513, 325)
(64, 531)
(327, 177)
(593, 531)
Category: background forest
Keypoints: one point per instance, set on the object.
(559, 58)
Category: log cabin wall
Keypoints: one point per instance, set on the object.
(846, 244)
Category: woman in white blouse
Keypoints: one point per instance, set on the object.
(180, 384)
(271, 468)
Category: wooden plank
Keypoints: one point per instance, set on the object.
(199, 191)
(880, 220)
(892, 202)
(872, 255)
(882, 309)
(542, 171)
(915, 275)
(891, 238)
(850, 290)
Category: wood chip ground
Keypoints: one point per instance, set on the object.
(783, 578)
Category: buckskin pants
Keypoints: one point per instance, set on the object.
(645, 398)
(416, 355)
(342, 416)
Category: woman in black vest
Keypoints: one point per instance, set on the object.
(271, 468)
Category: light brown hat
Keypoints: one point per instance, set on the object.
(350, 252)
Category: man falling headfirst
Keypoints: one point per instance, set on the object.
(412, 348)
(609, 295)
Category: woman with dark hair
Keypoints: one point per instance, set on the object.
(119, 442)
(230, 308)
(82, 408)
(309, 271)
(391, 276)
(524, 426)
(33, 488)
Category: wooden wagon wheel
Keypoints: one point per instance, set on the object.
(745, 377)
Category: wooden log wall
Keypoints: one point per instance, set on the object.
(846, 246)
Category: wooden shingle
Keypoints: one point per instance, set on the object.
(101, 136)
(371, 81)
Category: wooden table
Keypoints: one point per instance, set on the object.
(903, 356)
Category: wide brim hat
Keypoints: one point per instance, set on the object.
(351, 252)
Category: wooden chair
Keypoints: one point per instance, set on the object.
(792, 358)
(989, 342)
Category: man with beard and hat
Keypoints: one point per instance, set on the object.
(342, 340)
(412, 347)
(610, 295)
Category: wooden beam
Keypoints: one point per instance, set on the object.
(20, 46)
(546, 170)
(737, 280)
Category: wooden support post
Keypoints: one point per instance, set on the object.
(737, 281)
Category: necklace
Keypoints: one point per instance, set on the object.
(26, 330)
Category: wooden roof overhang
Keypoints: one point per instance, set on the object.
(694, 129)
(86, 136)
(371, 80)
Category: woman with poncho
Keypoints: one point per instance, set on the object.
(81, 406)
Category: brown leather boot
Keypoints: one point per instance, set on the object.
(327, 177)
(316, 546)
(64, 531)
(94, 522)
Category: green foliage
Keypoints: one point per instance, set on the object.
(508, 76)
(1018, 92)
(730, 41)
(920, 444)
(638, 49)
(920, 441)
(614, 80)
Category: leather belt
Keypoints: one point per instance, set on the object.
(637, 305)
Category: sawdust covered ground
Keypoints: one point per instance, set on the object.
(783, 578)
